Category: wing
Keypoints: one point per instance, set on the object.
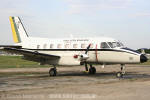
(32, 55)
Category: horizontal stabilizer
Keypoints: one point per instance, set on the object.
(10, 46)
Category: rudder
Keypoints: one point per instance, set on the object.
(18, 30)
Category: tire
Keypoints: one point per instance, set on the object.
(92, 70)
(52, 72)
(119, 75)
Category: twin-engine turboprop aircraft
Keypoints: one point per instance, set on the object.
(68, 52)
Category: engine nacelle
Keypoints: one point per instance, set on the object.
(84, 56)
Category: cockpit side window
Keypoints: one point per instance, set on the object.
(121, 44)
(110, 44)
(115, 44)
(104, 45)
(118, 44)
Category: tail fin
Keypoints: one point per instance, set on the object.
(18, 30)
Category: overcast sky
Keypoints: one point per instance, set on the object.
(125, 20)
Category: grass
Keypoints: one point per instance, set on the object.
(17, 62)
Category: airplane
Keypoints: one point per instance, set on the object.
(71, 51)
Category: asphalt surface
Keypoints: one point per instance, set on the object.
(74, 83)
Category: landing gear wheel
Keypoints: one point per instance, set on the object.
(52, 72)
(92, 70)
(119, 75)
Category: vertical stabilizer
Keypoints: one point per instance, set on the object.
(18, 30)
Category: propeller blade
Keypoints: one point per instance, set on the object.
(87, 49)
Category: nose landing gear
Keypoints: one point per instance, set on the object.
(120, 74)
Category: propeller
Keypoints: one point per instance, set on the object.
(87, 49)
(85, 56)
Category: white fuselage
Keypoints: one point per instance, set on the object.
(70, 50)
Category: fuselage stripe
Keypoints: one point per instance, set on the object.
(79, 50)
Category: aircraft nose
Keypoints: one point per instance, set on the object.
(143, 58)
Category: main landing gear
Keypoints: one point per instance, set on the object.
(53, 71)
(120, 74)
(92, 70)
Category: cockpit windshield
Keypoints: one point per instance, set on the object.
(104, 45)
(115, 44)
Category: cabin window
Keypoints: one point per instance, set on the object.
(51, 46)
(83, 46)
(104, 45)
(38, 46)
(44, 46)
(75, 45)
(67, 46)
(59, 46)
